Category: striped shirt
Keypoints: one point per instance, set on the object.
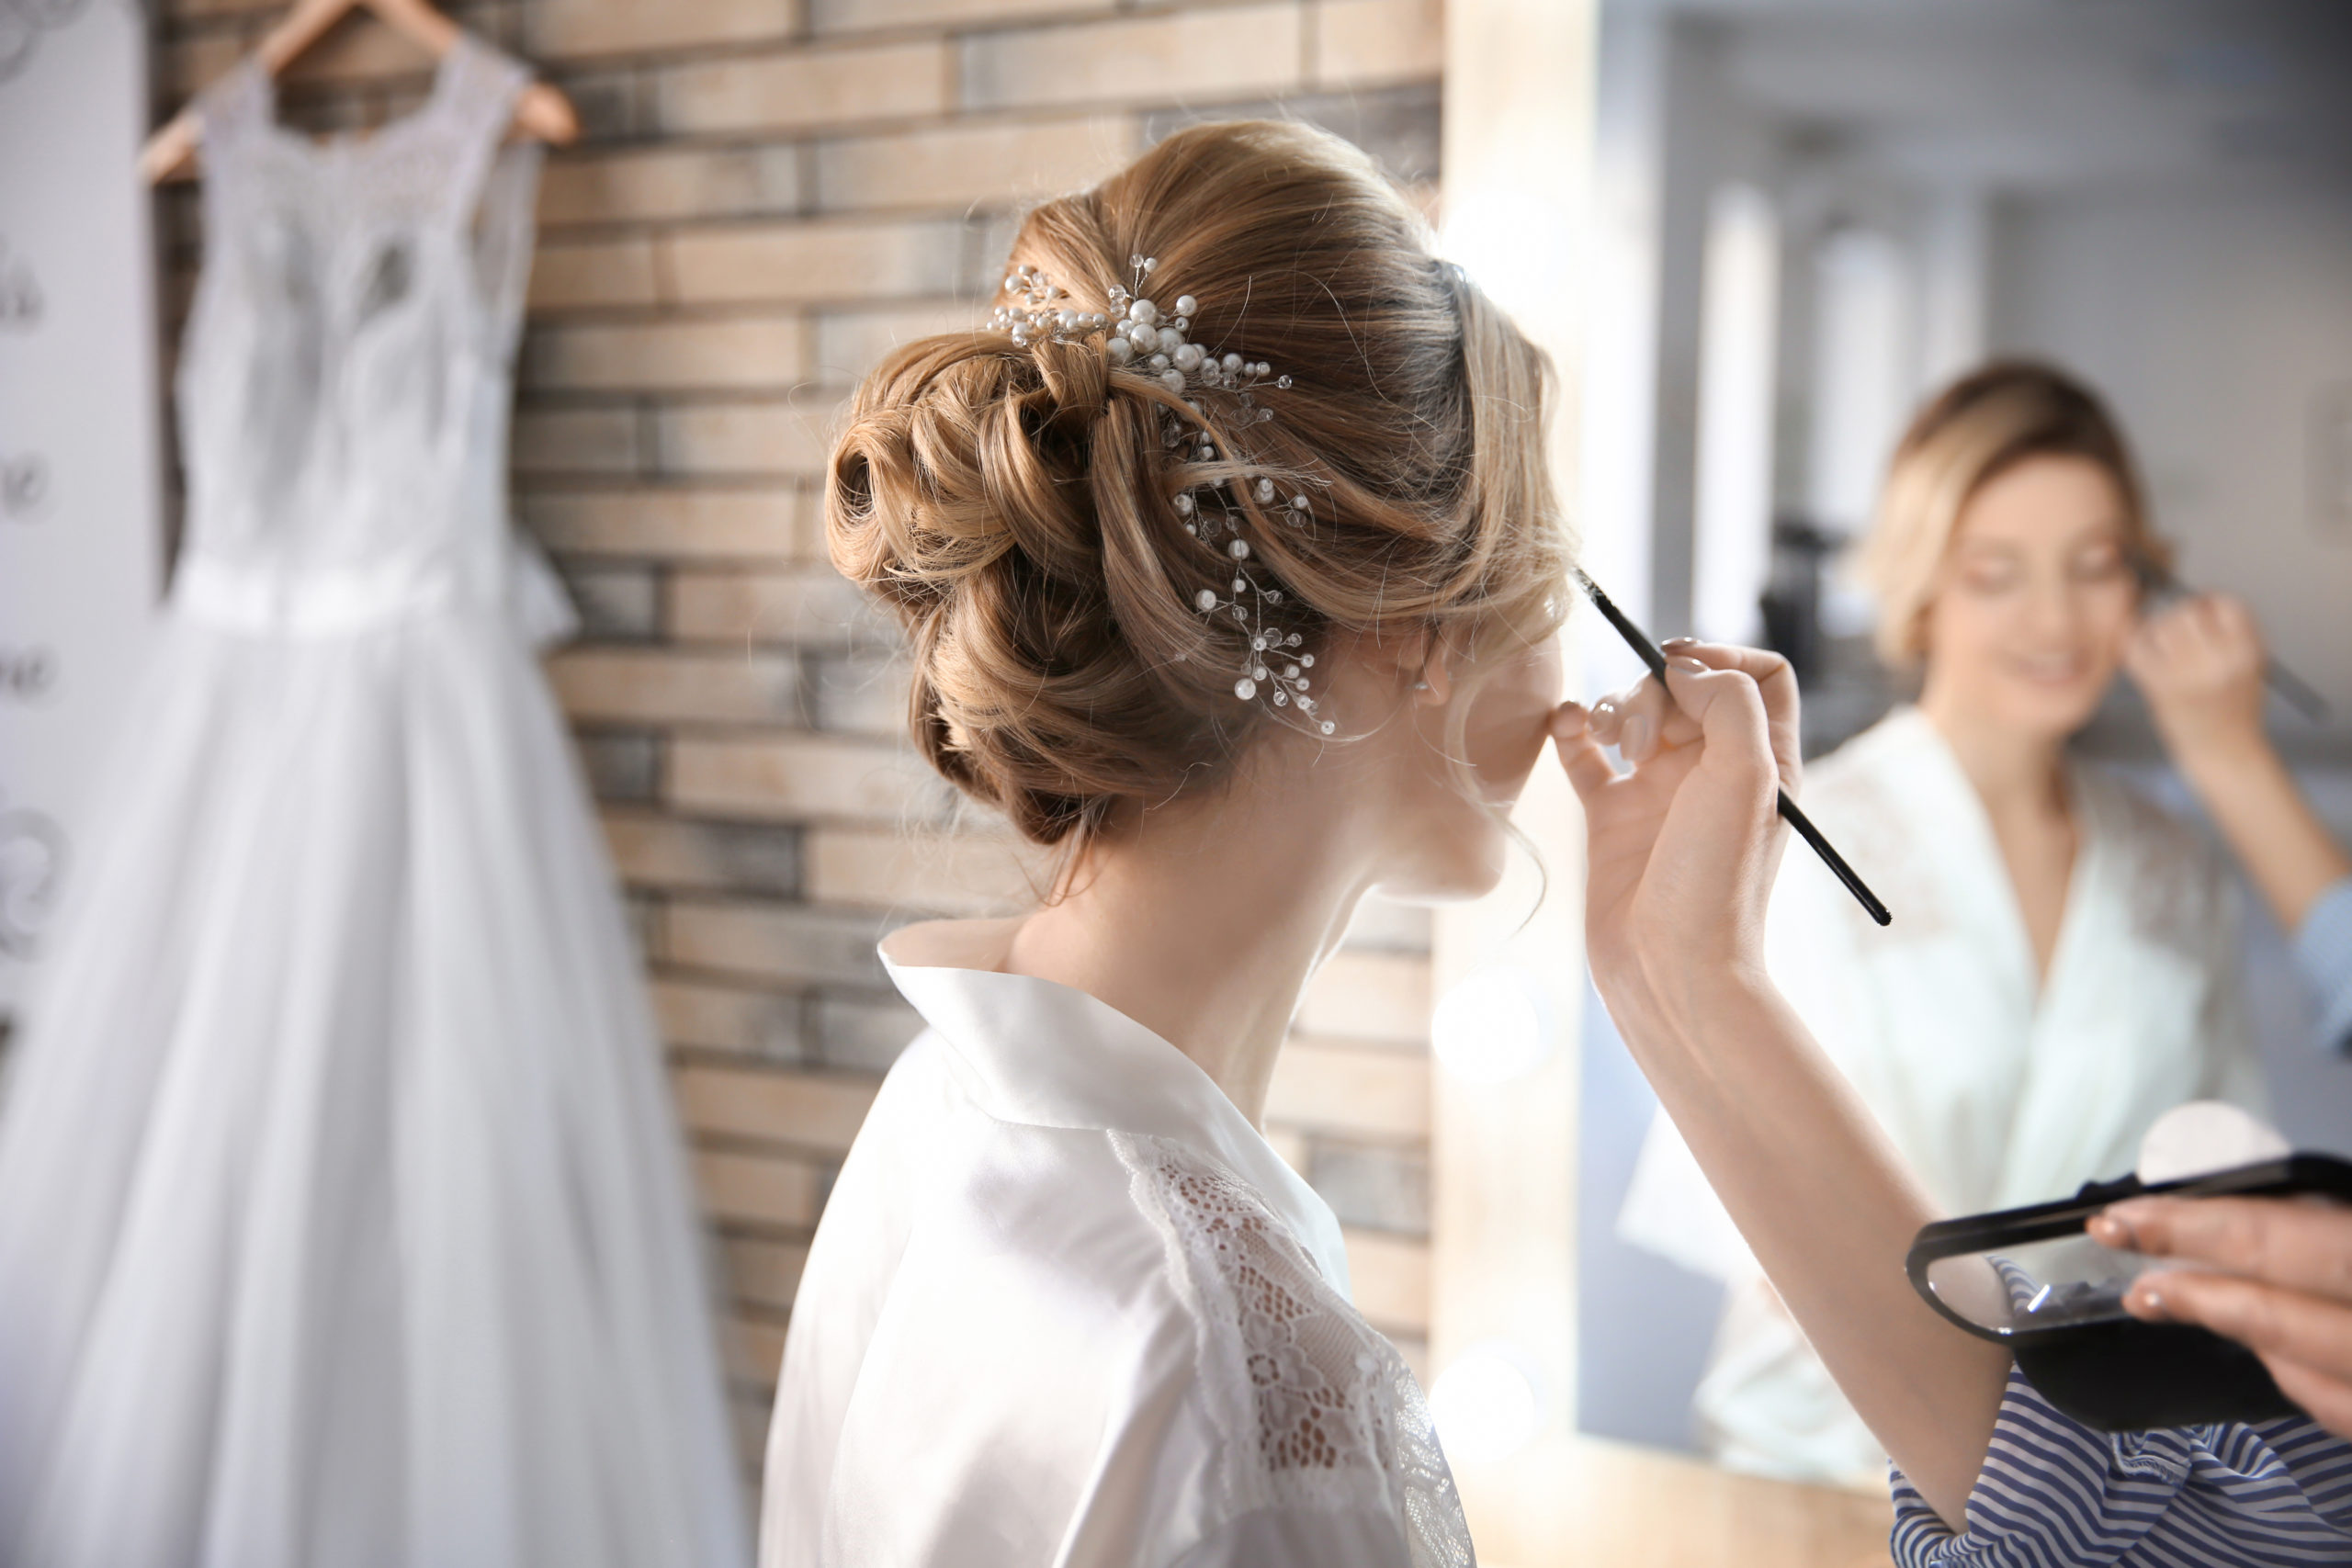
(2323, 950)
(2055, 1493)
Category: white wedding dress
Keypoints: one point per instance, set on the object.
(343, 1221)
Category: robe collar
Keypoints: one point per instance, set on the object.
(1941, 803)
(1045, 1055)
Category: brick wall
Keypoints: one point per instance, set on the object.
(770, 192)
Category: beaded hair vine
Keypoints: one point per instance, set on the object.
(1141, 337)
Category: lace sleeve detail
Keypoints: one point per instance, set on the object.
(1317, 1410)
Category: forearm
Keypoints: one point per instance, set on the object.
(1829, 1209)
(2271, 826)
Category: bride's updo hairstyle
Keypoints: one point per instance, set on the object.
(1017, 506)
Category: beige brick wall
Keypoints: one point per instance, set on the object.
(769, 194)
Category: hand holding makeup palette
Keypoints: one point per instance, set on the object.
(2032, 1279)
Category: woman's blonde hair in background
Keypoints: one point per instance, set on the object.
(1970, 434)
(1014, 505)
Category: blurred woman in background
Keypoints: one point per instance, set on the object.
(2062, 968)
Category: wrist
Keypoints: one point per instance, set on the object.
(2208, 744)
(1705, 1004)
(2232, 768)
(1676, 1012)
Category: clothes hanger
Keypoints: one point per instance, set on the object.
(540, 110)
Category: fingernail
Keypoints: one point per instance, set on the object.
(1687, 664)
(2130, 1217)
(2108, 1230)
(1679, 642)
(2147, 1303)
(1635, 740)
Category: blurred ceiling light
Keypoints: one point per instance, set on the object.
(1488, 1404)
(1494, 1025)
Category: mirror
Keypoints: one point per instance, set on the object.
(1818, 215)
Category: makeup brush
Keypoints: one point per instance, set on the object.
(1790, 813)
(2298, 693)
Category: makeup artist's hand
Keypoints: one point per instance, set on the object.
(1684, 845)
(2199, 662)
(2275, 1275)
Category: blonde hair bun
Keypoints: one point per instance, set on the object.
(1014, 505)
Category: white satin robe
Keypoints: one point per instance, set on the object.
(1999, 1089)
(1067, 1306)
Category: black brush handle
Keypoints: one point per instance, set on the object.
(1790, 811)
(2300, 693)
(1835, 861)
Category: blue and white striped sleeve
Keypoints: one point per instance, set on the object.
(2055, 1493)
(2324, 952)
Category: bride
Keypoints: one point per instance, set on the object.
(1228, 564)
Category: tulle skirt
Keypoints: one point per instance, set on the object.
(342, 1214)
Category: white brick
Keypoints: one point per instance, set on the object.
(762, 1189)
(851, 343)
(1369, 996)
(725, 352)
(567, 275)
(968, 874)
(830, 260)
(561, 28)
(866, 1036)
(863, 694)
(652, 849)
(576, 441)
(801, 776)
(663, 685)
(709, 1016)
(772, 436)
(617, 600)
(773, 942)
(810, 606)
(1336, 1088)
(959, 166)
(726, 182)
(1222, 52)
(807, 87)
(767, 525)
(857, 16)
(765, 1273)
(755, 1353)
(1366, 43)
(813, 1110)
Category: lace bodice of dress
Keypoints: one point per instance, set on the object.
(1318, 1409)
(344, 383)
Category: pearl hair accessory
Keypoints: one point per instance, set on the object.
(1036, 317)
(1143, 338)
